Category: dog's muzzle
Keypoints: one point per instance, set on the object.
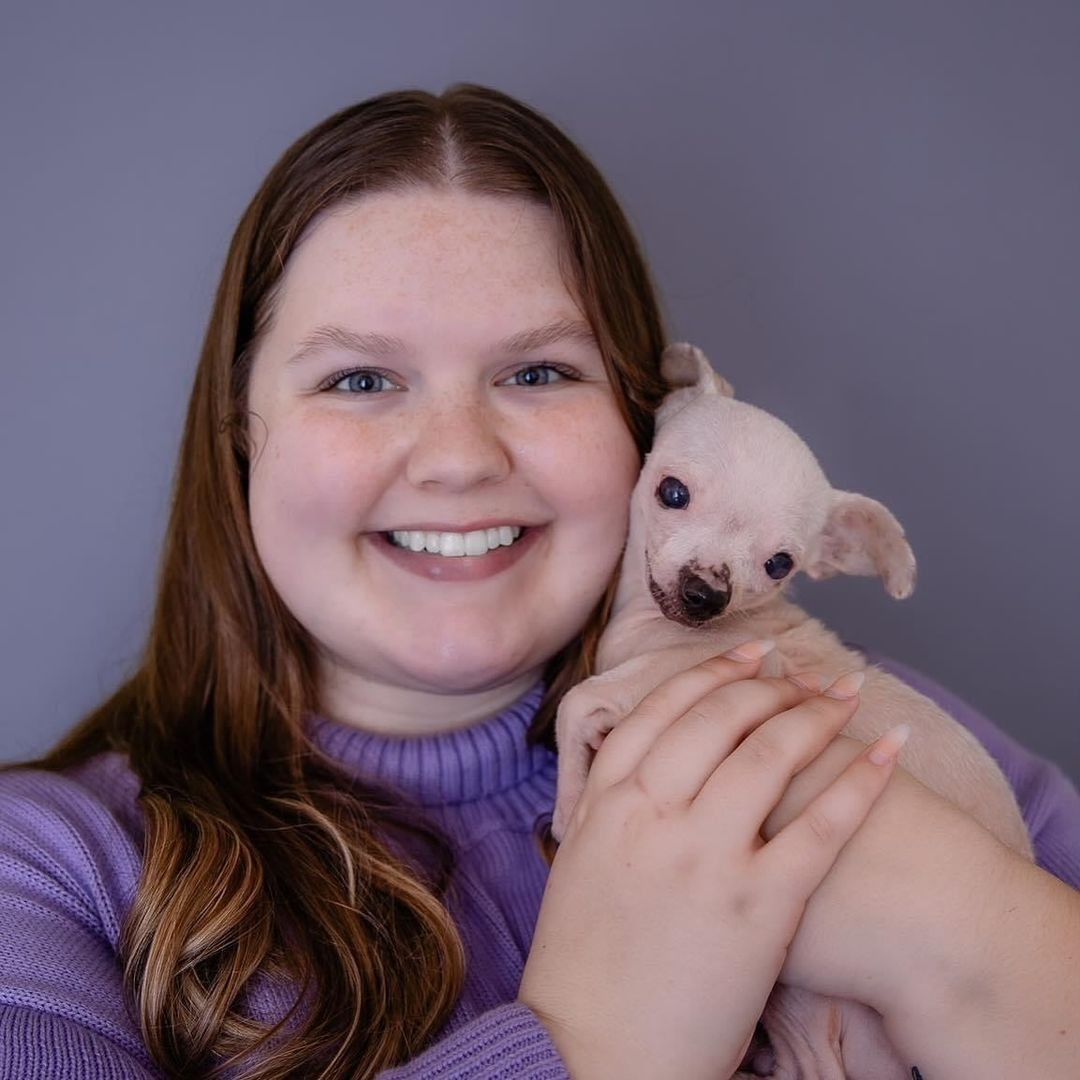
(700, 601)
(692, 601)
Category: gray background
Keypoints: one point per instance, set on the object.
(865, 212)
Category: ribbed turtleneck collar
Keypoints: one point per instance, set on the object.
(452, 767)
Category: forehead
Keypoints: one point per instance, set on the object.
(428, 247)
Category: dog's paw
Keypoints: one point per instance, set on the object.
(565, 804)
(581, 726)
(585, 717)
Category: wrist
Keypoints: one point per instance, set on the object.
(583, 1054)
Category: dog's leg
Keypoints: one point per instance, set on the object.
(581, 723)
(586, 714)
(819, 1038)
(592, 708)
(804, 1032)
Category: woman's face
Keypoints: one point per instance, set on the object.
(459, 399)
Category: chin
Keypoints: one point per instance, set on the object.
(469, 673)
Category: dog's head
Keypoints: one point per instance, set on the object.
(734, 504)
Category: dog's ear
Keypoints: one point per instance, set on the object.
(688, 373)
(685, 365)
(861, 536)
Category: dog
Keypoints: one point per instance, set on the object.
(730, 505)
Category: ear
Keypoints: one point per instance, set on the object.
(861, 536)
(688, 373)
(685, 365)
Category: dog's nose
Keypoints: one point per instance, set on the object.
(700, 600)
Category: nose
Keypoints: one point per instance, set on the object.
(700, 601)
(457, 447)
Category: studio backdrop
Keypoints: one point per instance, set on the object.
(865, 212)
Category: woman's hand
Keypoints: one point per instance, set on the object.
(666, 918)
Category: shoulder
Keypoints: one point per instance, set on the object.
(69, 866)
(72, 841)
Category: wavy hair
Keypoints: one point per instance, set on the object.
(262, 858)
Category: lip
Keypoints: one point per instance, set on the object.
(423, 564)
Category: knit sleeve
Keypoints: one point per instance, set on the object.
(505, 1043)
(69, 868)
(36, 1044)
(1048, 799)
(66, 870)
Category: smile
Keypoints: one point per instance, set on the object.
(455, 544)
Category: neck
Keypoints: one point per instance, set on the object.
(385, 709)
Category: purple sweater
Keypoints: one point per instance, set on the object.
(70, 859)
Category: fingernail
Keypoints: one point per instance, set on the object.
(809, 680)
(847, 686)
(749, 651)
(888, 746)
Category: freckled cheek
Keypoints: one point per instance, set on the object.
(589, 458)
(310, 479)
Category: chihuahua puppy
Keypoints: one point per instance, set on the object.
(730, 506)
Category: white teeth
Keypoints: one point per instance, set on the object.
(476, 543)
(453, 545)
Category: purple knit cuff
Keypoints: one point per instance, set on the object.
(40, 1044)
(505, 1043)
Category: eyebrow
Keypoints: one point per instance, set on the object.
(384, 346)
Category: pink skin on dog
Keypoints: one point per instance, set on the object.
(730, 505)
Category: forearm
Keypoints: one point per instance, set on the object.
(970, 953)
(885, 913)
(1007, 1003)
(881, 914)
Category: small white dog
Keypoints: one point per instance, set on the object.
(730, 505)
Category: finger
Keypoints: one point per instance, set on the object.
(747, 784)
(628, 742)
(803, 852)
(686, 754)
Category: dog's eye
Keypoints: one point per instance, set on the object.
(673, 493)
(779, 566)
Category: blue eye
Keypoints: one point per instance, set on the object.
(541, 374)
(779, 566)
(359, 381)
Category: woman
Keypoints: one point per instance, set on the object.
(302, 838)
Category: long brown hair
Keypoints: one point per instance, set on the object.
(260, 855)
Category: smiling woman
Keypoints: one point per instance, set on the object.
(464, 297)
(304, 838)
(434, 321)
